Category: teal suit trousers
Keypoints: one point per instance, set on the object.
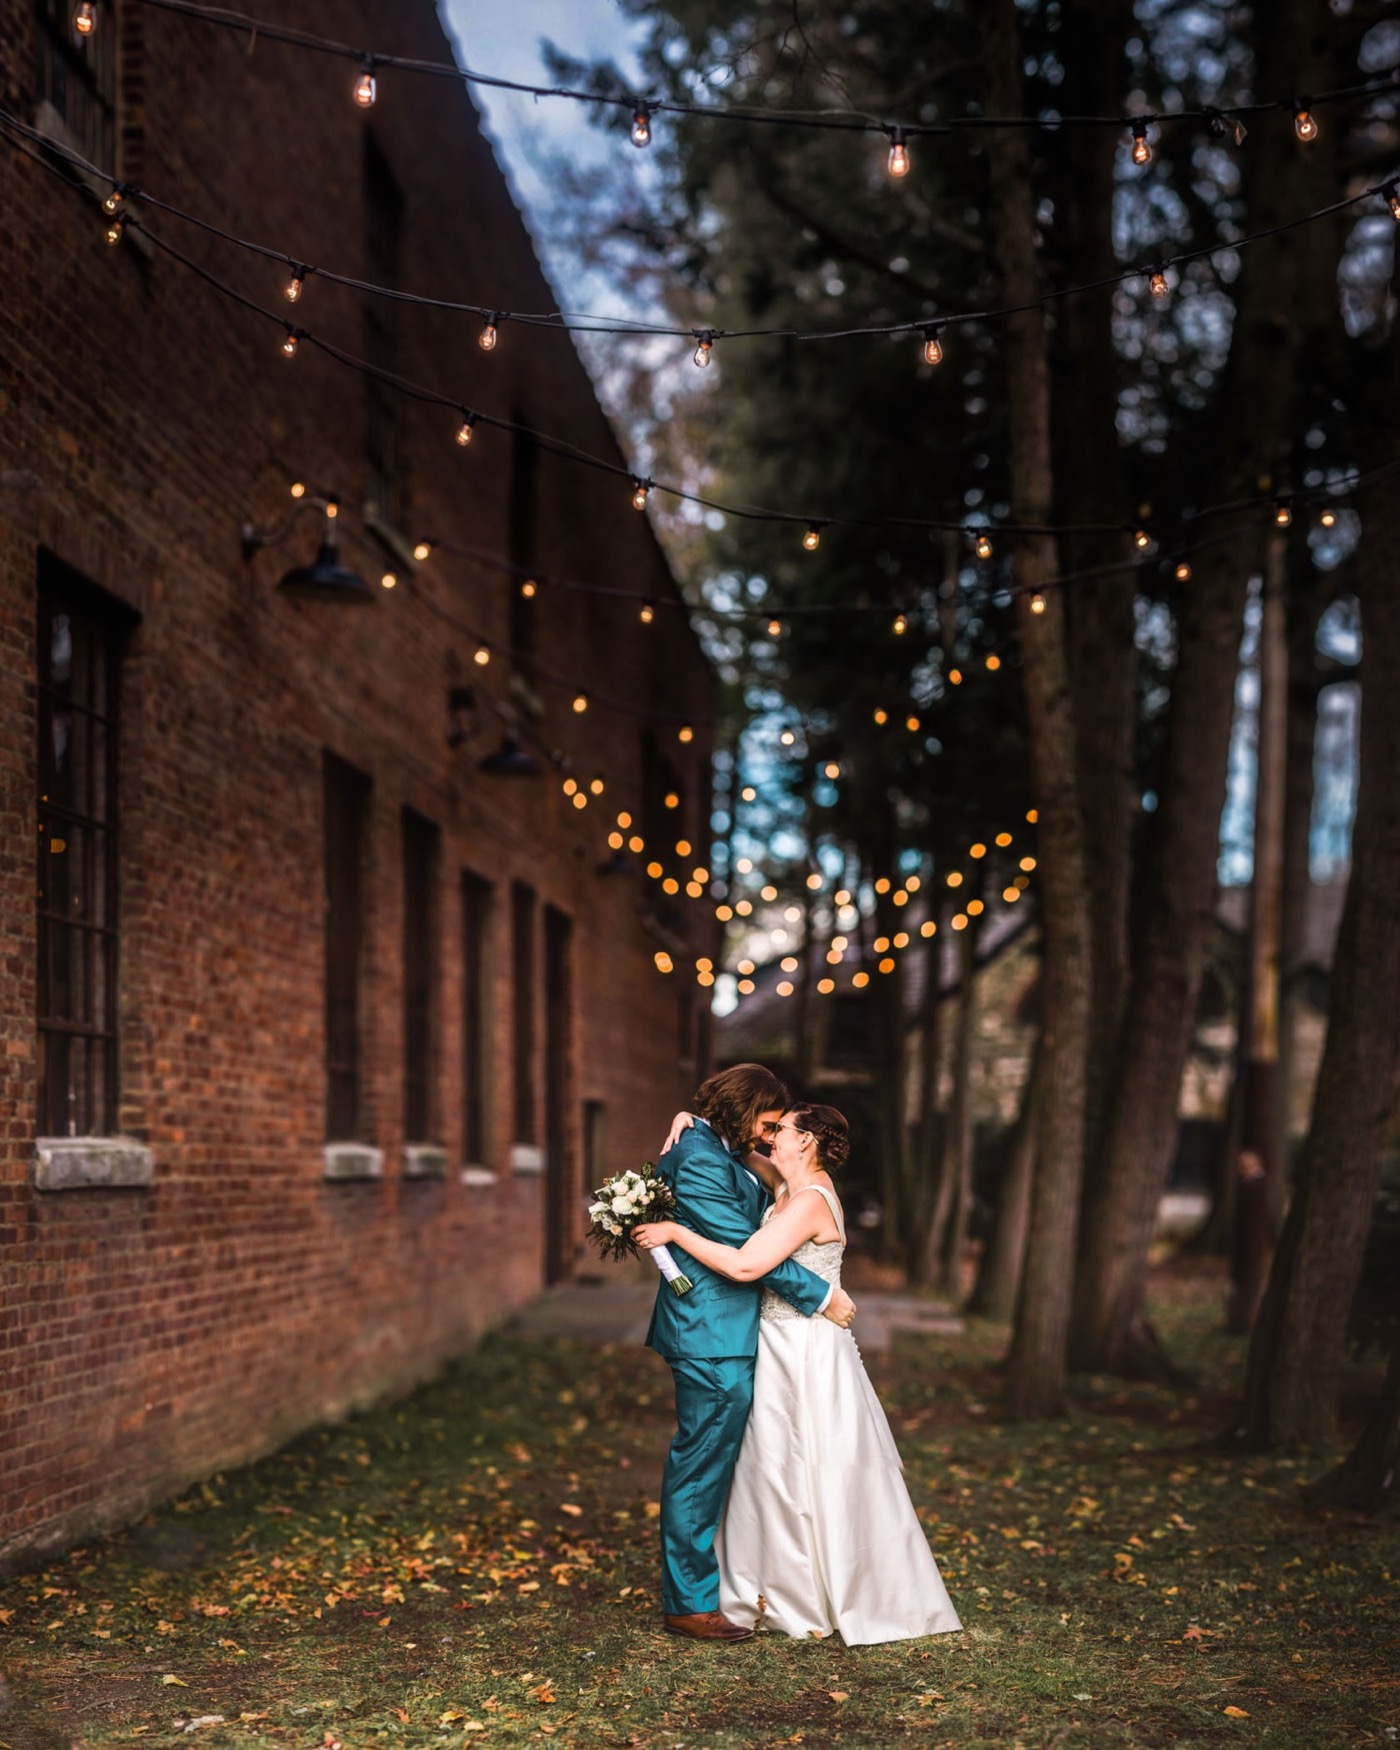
(713, 1398)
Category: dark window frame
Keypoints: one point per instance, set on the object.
(523, 957)
(78, 77)
(422, 954)
(346, 801)
(77, 946)
(478, 905)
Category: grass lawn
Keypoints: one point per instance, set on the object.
(477, 1565)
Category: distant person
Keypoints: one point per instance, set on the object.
(819, 1535)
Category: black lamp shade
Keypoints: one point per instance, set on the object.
(510, 760)
(325, 580)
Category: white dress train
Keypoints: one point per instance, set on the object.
(819, 1534)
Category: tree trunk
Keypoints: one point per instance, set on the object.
(999, 1279)
(1304, 610)
(1091, 487)
(1296, 1354)
(1258, 1169)
(1035, 1378)
(947, 1234)
(1366, 1480)
(1284, 298)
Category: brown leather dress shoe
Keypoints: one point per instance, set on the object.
(706, 1625)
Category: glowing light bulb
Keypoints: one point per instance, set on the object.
(482, 656)
(1283, 514)
(529, 589)
(1327, 517)
(787, 738)
(704, 346)
(954, 677)
(881, 716)
(1183, 571)
(1037, 603)
(580, 703)
(1141, 540)
(1157, 285)
(1142, 152)
(685, 733)
(289, 343)
(641, 125)
(1304, 124)
(933, 346)
(901, 625)
(911, 723)
(366, 86)
(640, 488)
(647, 613)
(422, 550)
(488, 337)
(116, 228)
(663, 960)
(1391, 191)
(114, 199)
(993, 663)
(85, 18)
(813, 538)
(389, 580)
(293, 289)
(982, 546)
(831, 770)
(775, 628)
(298, 489)
(1003, 839)
(899, 153)
(596, 786)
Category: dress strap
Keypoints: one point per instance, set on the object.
(831, 1203)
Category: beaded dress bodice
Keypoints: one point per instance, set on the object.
(821, 1258)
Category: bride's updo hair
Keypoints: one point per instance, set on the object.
(832, 1133)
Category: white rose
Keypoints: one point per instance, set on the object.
(596, 1209)
(622, 1206)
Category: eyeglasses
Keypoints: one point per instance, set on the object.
(796, 1129)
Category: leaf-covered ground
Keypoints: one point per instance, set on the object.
(477, 1565)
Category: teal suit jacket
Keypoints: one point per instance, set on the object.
(718, 1197)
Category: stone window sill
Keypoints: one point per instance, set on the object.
(480, 1177)
(526, 1159)
(424, 1160)
(348, 1161)
(97, 1163)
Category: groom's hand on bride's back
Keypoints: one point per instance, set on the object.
(840, 1309)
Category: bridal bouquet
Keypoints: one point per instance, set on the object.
(625, 1202)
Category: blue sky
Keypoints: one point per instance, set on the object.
(505, 39)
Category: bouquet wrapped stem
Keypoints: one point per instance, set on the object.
(623, 1203)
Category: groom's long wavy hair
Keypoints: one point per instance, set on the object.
(732, 1100)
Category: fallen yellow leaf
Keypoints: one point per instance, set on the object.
(839, 1694)
(569, 1508)
(179, 1682)
(1236, 1713)
(453, 1713)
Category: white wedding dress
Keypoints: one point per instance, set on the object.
(819, 1533)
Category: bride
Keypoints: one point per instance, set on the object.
(819, 1534)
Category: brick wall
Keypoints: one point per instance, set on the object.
(150, 1336)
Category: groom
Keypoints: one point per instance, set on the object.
(709, 1336)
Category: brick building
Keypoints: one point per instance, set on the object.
(319, 1027)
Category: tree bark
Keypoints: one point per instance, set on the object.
(1284, 298)
(947, 1234)
(1296, 1354)
(1259, 1171)
(1091, 487)
(1036, 1369)
(999, 1279)
(1367, 1478)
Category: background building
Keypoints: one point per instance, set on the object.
(317, 1030)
